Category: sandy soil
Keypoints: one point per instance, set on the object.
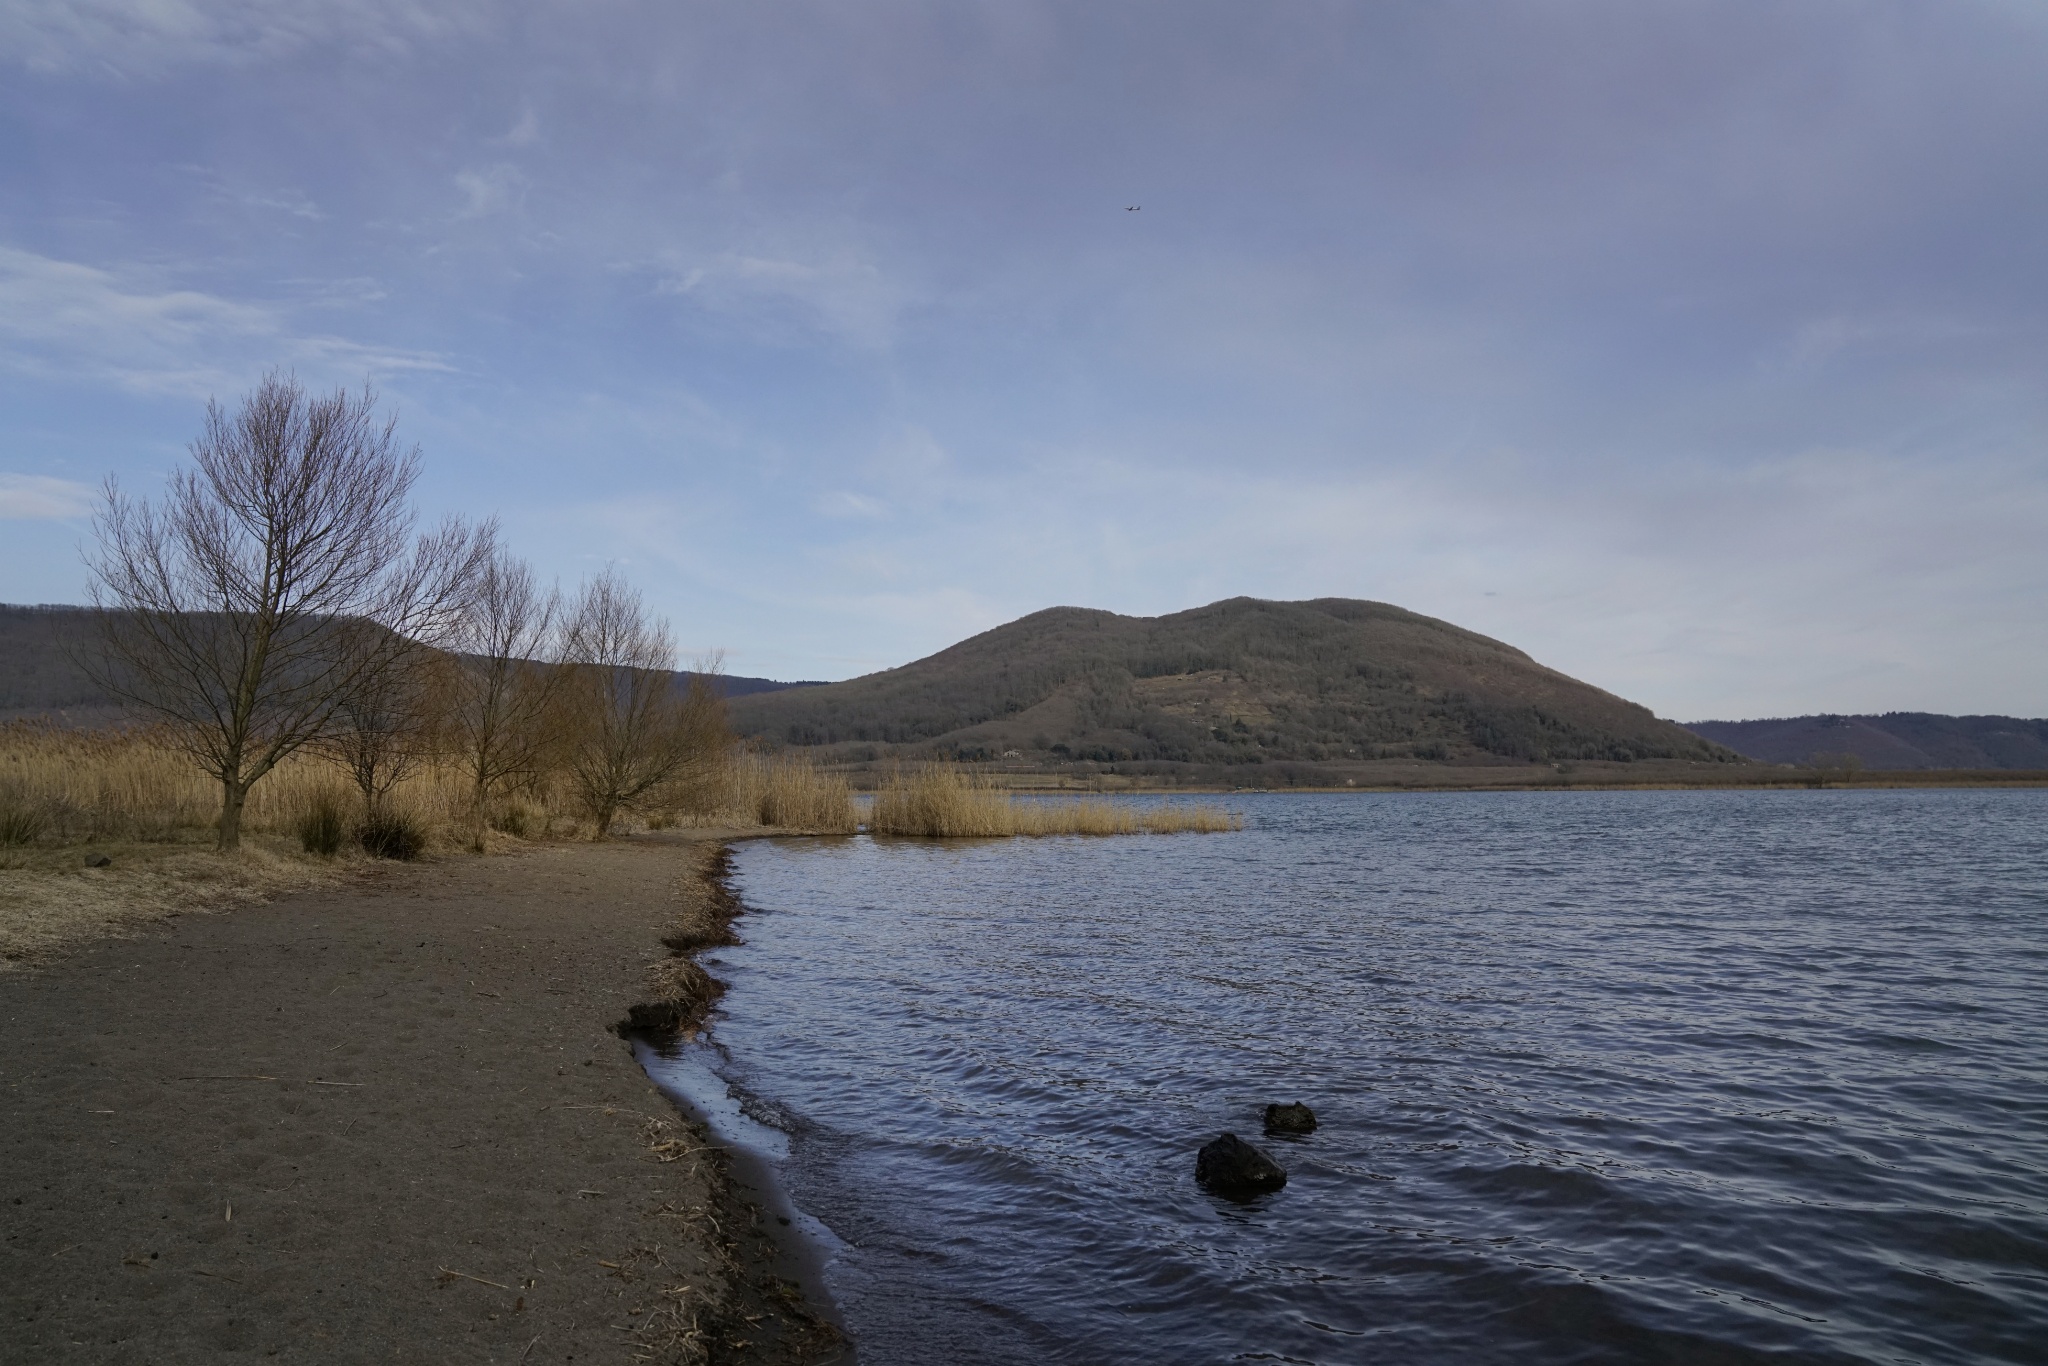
(382, 1120)
(52, 899)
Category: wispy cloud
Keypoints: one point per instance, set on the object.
(525, 132)
(34, 497)
(843, 504)
(66, 320)
(490, 189)
(841, 293)
(139, 36)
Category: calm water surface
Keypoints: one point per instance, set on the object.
(1629, 1077)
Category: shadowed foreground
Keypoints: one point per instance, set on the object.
(384, 1122)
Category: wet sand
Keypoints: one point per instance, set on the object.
(388, 1120)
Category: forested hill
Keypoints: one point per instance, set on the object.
(1894, 741)
(41, 680)
(1241, 681)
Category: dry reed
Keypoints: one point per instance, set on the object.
(945, 803)
(795, 793)
(137, 786)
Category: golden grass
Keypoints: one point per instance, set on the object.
(795, 793)
(136, 798)
(71, 787)
(942, 802)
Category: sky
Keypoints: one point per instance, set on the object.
(1698, 349)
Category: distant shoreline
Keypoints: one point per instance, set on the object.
(1585, 777)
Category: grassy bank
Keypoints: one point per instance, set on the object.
(104, 830)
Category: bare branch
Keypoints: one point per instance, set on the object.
(639, 731)
(277, 579)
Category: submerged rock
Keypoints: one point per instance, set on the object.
(1293, 1118)
(1230, 1166)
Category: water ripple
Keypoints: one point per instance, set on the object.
(1698, 1077)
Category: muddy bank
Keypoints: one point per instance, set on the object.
(392, 1122)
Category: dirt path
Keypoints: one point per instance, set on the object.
(386, 1121)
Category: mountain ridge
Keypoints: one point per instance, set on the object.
(1237, 682)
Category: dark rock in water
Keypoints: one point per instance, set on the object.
(1230, 1166)
(98, 861)
(1295, 1118)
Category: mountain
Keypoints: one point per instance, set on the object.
(39, 678)
(1894, 741)
(1238, 682)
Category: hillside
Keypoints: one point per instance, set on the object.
(1234, 683)
(41, 680)
(1899, 740)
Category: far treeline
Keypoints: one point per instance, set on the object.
(281, 599)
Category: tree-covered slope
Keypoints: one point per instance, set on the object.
(42, 676)
(1237, 681)
(1896, 740)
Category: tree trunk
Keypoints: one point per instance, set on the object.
(479, 841)
(233, 794)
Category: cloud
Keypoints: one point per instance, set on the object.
(840, 293)
(144, 36)
(525, 132)
(65, 320)
(490, 189)
(33, 497)
(841, 504)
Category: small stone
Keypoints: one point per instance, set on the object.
(98, 861)
(1293, 1118)
(1231, 1167)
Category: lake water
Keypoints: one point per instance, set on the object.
(1602, 1077)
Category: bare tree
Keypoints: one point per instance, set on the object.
(639, 731)
(389, 710)
(277, 578)
(506, 683)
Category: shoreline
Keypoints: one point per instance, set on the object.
(675, 1015)
(388, 1120)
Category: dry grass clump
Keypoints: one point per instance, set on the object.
(50, 900)
(945, 803)
(797, 794)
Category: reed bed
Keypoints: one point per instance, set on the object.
(939, 802)
(64, 787)
(796, 793)
(137, 786)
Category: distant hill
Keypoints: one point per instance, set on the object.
(1896, 740)
(40, 680)
(1237, 682)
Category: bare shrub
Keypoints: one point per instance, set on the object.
(277, 575)
(393, 833)
(514, 819)
(639, 736)
(323, 826)
(505, 687)
(395, 702)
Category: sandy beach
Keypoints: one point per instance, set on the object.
(384, 1120)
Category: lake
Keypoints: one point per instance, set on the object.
(1601, 1077)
